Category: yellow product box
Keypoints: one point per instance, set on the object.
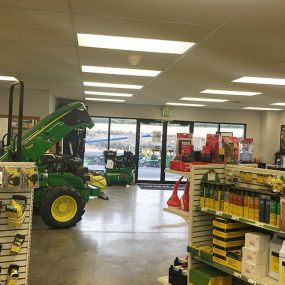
(234, 260)
(220, 259)
(12, 177)
(231, 233)
(227, 224)
(228, 242)
(223, 251)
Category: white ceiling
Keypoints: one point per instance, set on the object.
(38, 45)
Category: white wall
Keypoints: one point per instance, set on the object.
(36, 102)
(251, 118)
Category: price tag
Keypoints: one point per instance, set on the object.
(258, 224)
(236, 218)
(251, 281)
(236, 274)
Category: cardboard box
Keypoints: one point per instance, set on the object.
(228, 242)
(207, 275)
(228, 233)
(227, 224)
(232, 260)
(223, 251)
(253, 270)
(254, 256)
(257, 241)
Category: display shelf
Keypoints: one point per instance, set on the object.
(181, 173)
(183, 214)
(163, 280)
(240, 219)
(206, 258)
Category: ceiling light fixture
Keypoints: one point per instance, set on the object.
(203, 99)
(261, 80)
(278, 104)
(108, 94)
(112, 85)
(105, 100)
(135, 44)
(262, 109)
(8, 78)
(184, 104)
(230, 92)
(119, 71)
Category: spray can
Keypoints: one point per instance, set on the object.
(251, 206)
(222, 189)
(231, 201)
(245, 204)
(256, 207)
(273, 211)
(267, 209)
(211, 200)
(202, 194)
(278, 213)
(240, 203)
(262, 208)
(226, 199)
(207, 195)
(235, 209)
(217, 197)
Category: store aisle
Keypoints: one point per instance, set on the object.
(128, 240)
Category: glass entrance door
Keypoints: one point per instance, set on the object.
(149, 151)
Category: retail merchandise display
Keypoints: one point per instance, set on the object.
(218, 149)
(178, 272)
(236, 221)
(17, 181)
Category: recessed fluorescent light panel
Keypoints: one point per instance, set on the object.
(184, 104)
(229, 92)
(105, 100)
(278, 104)
(135, 44)
(262, 109)
(119, 71)
(112, 85)
(261, 80)
(108, 94)
(203, 99)
(8, 78)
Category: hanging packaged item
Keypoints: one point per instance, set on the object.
(16, 210)
(13, 274)
(12, 177)
(30, 177)
(17, 244)
(185, 197)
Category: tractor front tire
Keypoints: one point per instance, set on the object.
(62, 207)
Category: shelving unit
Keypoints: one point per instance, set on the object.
(7, 233)
(183, 214)
(206, 257)
(181, 173)
(240, 219)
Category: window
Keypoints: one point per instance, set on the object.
(96, 144)
(200, 133)
(237, 130)
(123, 135)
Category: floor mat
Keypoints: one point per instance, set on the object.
(168, 187)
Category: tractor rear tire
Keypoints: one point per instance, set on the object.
(62, 207)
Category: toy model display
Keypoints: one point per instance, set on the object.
(65, 185)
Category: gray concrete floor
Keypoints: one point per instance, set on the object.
(128, 240)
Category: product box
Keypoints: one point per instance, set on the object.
(230, 233)
(275, 246)
(253, 270)
(232, 260)
(223, 251)
(254, 256)
(206, 275)
(228, 242)
(227, 224)
(257, 241)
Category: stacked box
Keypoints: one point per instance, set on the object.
(228, 239)
(255, 254)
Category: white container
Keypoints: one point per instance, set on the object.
(282, 265)
(257, 241)
(254, 256)
(252, 270)
(274, 249)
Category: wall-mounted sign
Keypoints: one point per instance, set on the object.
(166, 111)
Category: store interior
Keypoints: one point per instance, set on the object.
(142, 142)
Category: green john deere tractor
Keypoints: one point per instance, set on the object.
(65, 185)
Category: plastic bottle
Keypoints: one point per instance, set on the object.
(273, 211)
(282, 265)
(245, 204)
(256, 207)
